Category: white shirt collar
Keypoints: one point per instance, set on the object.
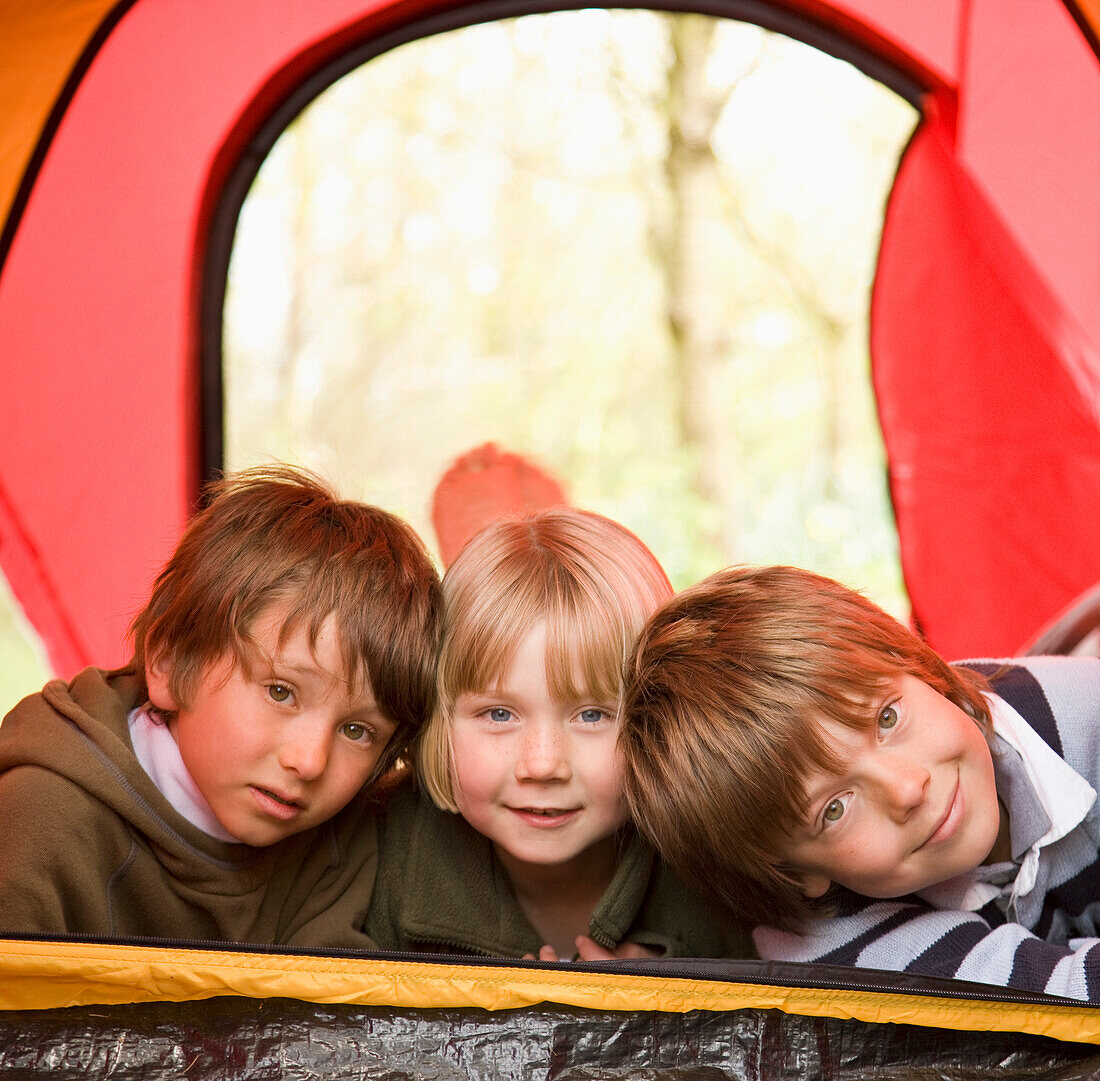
(159, 755)
(1064, 794)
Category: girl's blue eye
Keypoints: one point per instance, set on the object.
(887, 718)
(278, 692)
(500, 714)
(591, 716)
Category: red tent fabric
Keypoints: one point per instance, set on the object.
(995, 462)
(121, 128)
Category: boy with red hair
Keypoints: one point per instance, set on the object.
(810, 764)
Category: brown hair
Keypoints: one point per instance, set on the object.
(281, 535)
(718, 731)
(591, 580)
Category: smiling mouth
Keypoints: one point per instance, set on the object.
(545, 817)
(278, 798)
(946, 825)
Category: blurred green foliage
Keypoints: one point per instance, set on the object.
(23, 664)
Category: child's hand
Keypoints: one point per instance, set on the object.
(546, 953)
(587, 950)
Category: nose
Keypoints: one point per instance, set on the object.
(543, 754)
(305, 750)
(903, 785)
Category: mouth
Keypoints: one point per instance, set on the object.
(545, 816)
(950, 819)
(274, 803)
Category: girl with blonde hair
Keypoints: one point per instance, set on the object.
(524, 847)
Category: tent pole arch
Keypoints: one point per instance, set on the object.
(258, 133)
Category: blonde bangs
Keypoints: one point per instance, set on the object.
(585, 654)
(592, 582)
(586, 643)
(483, 628)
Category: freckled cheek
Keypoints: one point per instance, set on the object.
(874, 854)
(888, 869)
(605, 785)
(351, 772)
(848, 856)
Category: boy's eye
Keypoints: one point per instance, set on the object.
(278, 692)
(887, 718)
(499, 714)
(353, 730)
(835, 809)
(592, 716)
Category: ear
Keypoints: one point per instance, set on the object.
(815, 886)
(156, 682)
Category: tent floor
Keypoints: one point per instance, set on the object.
(244, 1038)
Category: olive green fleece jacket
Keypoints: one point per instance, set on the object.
(440, 889)
(88, 843)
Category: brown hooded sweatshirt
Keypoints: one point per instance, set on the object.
(89, 845)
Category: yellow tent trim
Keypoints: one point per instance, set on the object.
(44, 975)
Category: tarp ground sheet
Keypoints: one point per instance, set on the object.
(289, 1039)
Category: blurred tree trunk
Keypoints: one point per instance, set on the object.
(303, 180)
(696, 319)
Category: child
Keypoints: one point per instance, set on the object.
(211, 789)
(804, 760)
(527, 849)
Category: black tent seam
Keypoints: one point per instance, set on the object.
(53, 122)
(223, 223)
(1086, 28)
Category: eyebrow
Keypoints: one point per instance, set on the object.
(807, 821)
(486, 692)
(280, 663)
(312, 671)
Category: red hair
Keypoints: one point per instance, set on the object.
(718, 731)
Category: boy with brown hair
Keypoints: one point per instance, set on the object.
(810, 764)
(219, 786)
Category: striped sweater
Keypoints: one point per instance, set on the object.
(1048, 938)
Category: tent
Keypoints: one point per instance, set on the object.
(129, 133)
(74, 1010)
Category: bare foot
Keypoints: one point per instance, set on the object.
(485, 484)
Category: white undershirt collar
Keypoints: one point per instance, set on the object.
(1063, 793)
(159, 755)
